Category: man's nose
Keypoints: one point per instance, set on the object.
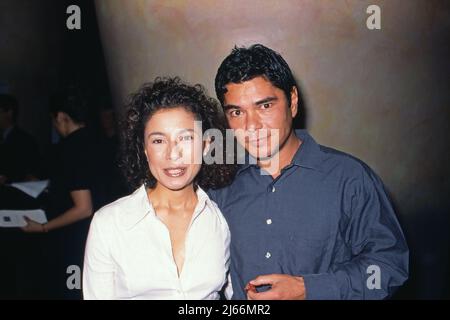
(253, 122)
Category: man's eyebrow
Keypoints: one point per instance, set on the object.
(230, 106)
(266, 100)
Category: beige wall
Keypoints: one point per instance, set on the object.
(381, 95)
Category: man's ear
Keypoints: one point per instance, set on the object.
(294, 101)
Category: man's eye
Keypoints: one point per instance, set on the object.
(235, 113)
(266, 105)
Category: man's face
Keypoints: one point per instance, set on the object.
(260, 115)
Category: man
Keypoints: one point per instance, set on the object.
(19, 153)
(306, 221)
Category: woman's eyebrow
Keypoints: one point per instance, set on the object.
(156, 133)
(186, 130)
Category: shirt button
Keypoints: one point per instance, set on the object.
(273, 189)
(269, 221)
(268, 255)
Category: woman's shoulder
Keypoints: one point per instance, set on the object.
(118, 210)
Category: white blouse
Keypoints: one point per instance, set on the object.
(129, 253)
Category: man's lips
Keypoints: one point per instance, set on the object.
(258, 141)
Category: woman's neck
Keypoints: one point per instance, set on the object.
(163, 197)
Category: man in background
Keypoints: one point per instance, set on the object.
(19, 153)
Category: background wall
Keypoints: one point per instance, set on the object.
(380, 95)
(40, 56)
(30, 58)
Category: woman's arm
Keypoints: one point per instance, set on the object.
(98, 271)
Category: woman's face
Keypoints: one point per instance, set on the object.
(173, 146)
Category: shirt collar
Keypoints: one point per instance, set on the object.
(141, 207)
(308, 155)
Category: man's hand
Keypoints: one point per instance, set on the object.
(284, 287)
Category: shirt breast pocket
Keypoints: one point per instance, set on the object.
(305, 255)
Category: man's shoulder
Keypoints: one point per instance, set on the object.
(343, 163)
(217, 196)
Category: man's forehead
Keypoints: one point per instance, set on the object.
(250, 91)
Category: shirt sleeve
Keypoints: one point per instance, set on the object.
(98, 271)
(228, 288)
(379, 253)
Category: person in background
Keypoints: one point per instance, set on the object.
(19, 152)
(113, 180)
(71, 191)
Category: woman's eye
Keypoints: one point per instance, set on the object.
(187, 138)
(157, 141)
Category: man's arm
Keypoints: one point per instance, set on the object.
(380, 255)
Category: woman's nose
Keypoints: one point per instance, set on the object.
(174, 152)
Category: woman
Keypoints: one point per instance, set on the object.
(167, 240)
(71, 197)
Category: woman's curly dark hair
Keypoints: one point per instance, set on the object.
(166, 93)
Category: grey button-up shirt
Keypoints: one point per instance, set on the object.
(326, 218)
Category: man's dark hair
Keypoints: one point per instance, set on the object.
(244, 64)
(71, 102)
(9, 102)
(168, 93)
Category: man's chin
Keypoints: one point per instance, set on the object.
(263, 155)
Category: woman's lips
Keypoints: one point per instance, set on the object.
(175, 172)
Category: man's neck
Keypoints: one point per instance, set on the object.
(283, 157)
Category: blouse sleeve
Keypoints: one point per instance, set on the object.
(98, 272)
